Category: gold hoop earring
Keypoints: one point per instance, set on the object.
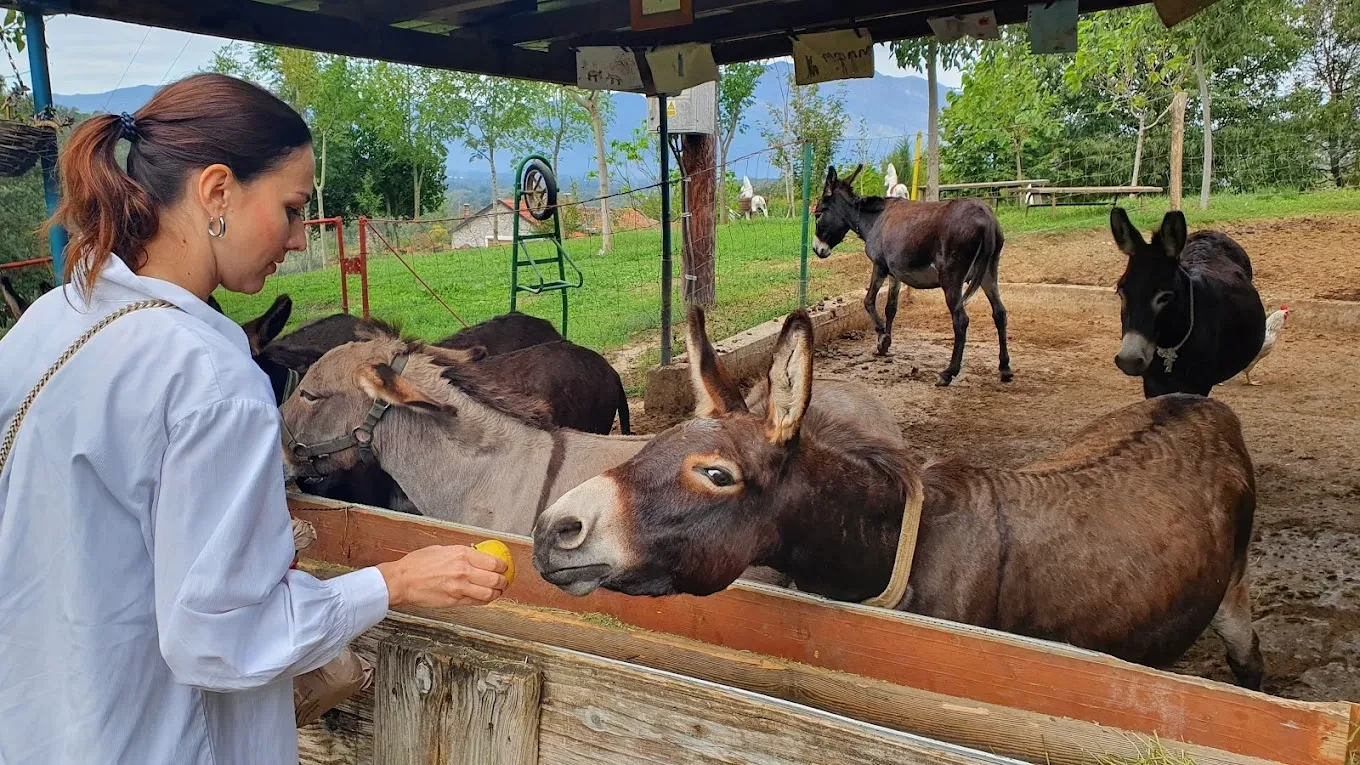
(221, 229)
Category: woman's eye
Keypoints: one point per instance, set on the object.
(718, 476)
(293, 212)
(309, 397)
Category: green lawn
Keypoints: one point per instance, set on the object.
(619, 306)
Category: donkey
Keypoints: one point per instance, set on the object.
(463, 443)
(926, 245)
(1191, 315)
(1102, 546)
(14, 302)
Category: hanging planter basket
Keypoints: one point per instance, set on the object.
(23, 143)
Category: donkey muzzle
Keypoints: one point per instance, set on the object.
(1135, 354)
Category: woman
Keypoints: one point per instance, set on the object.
(147, 610)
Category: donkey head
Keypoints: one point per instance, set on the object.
(339, 391)
(1150, 287)
(835, 211)
(700, 502)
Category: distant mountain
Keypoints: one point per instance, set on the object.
(113, 101)
(890, 106)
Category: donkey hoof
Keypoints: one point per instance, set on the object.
(884, 341)
(1007, 375)
(946, 378)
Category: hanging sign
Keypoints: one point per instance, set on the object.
(978, 25)
(1053, 27)
(659, 14)
(679, 67)
(607, 68)
(841, 55)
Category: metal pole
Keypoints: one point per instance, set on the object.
(35, 34)
(665, 232)
(807, 193)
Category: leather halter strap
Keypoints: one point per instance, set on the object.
(361, 437)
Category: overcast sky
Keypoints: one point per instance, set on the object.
(92, 55)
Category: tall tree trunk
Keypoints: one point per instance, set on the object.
(1138, 150)
(415, 174)
(557, 152)
(495, 197)
(1177, 145)
(1206, 178)
(321, 196)
(697, 165)
(933, 129)
(1019, 150)
(722, 175)
(602, 169)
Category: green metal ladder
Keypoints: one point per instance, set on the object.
(520, 256)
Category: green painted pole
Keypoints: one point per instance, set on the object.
(803, 258)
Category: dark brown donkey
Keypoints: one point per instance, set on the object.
(926, 245)
(1130, 541)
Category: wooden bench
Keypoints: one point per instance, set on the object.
(1034, 197)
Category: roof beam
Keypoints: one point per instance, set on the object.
(275, 25)
(383, 12)
(601, 17)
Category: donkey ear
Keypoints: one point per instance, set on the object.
(1172, 234)
(381, 382)
(1125, 234)
(714, 392)
(262, 330)
(790, 379)
(854, 174)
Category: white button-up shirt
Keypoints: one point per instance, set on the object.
(147, 611)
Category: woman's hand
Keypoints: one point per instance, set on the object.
(443, 576)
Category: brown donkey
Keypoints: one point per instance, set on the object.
(1130, 541)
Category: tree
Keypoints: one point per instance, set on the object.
(599, 108)
(496, 115)
(1332, 63)
(1005, 96)
(1134, 62)
(927, 54)
(736, 92)
(803, 114)
(558, 120)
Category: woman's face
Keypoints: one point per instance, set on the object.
(264, 223)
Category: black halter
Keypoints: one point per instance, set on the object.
(361, 437)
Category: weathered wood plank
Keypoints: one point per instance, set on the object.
(988, 669)
(597, 710)
(448, 705)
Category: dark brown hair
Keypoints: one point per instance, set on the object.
(201, 120)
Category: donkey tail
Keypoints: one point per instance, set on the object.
(982, 261)
(625, 429)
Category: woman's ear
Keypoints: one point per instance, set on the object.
(214, 187)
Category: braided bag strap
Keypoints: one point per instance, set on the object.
(12, 432)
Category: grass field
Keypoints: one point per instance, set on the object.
(619, 305)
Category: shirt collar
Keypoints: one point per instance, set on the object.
(116, 280)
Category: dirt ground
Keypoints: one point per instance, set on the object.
(1301, 424)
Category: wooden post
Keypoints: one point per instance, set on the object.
(1177, 145)
(698, 164)
(447, 705)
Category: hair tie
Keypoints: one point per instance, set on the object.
(129, 127)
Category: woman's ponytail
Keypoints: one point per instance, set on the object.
(106, 211)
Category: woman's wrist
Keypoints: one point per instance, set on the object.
(396, 590)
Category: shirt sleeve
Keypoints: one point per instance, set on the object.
(230, 612)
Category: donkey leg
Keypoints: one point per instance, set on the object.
(953, 297)
(871, 306)
(889, 313)
(1232, 622)
(993, 292)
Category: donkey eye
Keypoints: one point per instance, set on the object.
(1160, 300)
(718, 476)
(308, 397)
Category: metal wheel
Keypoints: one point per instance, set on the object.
(539, 187)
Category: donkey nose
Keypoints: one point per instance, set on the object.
(567, 533)
(1131, 366)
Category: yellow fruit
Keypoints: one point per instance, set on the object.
(497, 548)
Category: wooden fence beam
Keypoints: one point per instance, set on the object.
(437, 705)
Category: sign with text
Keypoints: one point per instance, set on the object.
(841, 55)
(607, 68)
(981, 26)
(679, 67)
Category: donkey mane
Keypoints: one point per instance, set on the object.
(467, 377)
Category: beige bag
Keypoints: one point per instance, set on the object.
(324, 688)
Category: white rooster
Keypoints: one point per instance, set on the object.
(1274, 323)
(895, 189)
